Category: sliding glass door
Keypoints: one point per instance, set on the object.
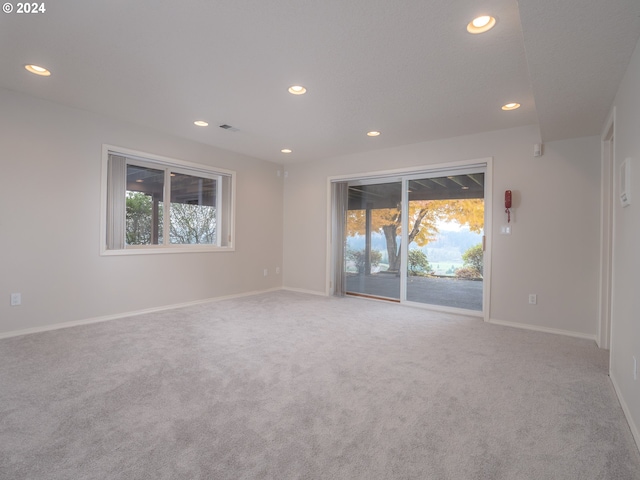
(416, 238)
(372, 264)
(445, 237)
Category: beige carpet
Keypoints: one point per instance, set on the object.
(292, 386)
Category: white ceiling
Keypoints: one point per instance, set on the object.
(407, 68)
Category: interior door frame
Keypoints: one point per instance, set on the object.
(432, 169)
(607, 193)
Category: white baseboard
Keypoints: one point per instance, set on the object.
(627, 413)
(302, 290)
(106, 318)
(538, 328)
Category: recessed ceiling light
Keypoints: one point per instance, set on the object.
(511, 106)
(482, 21)
(373, 133)
(286, 150)
(201, 123)
(38, 70)
(297, 90)
(481, 24)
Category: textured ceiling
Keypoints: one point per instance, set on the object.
(408, 69)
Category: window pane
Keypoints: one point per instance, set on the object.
(144, 196)
(445, 256)
(373, 230)
(193, 209)
(151, 202)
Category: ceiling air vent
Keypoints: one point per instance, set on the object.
(229, 127)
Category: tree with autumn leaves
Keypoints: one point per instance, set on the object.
(423, 217)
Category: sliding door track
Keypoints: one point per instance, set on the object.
(374, 297)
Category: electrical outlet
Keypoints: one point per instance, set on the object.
(16, 299)
(533, 299)
(266, 272)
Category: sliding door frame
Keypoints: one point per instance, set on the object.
(428, 170)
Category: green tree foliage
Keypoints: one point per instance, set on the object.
(418, 262)
(473, 263)
(473, 257)
(139, 220)
(190, 224)
(358, 258)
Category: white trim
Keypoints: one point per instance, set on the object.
(219, 215)
(104, 174)
(607, 192)
(635, 431)
(488, 236)
(485, 163)
(182, 166)
(404, 238)
(410, 170)
(134, 313)
(161, 249)
(166, 212)
(537, 328)
(146, 157)
(328, 273)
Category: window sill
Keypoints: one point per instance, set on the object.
(165, 249)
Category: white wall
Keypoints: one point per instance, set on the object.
(625, 337)
(49, 221)
(552, 252)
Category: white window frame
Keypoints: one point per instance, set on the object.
(435, 170)
(178, 166)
